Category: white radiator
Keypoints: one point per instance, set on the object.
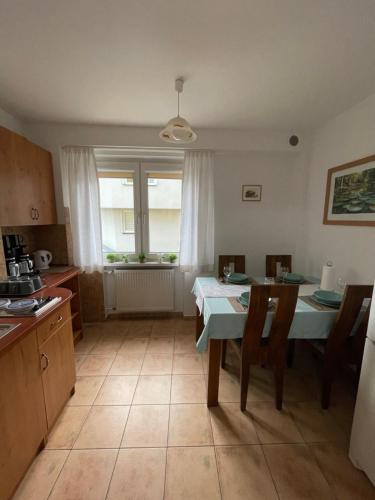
(144, 290)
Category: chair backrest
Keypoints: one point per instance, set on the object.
(347, 317)
(237, 260)
(271, 263)
(286, 296)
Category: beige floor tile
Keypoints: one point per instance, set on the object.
(117, 390)
(86, 345)
(79, 358)
(191, 474)
(103, 428)
(163, 328)
(108, 344)
(127, 363)
(153, 389)
(86, 390)
(139, 329)
(232, 426)
(95, 365)
(229, 388)
(157, 364)
(85, 475)
(298, 387)
(162, 345)
(316, 425)
(188, 389)
(42, 475)
(138, 475)
(187, 364)
(185, 344)
(67, 428)
(261, 386)
(147, 426)
(134, 345)
(244, 473)
(189, 425)
(347, 482)
(295, 473)
(117, 327)
(272, 425)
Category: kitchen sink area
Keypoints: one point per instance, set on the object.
(6, 328)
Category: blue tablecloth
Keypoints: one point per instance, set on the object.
(221, 321)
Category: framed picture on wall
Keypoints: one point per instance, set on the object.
(350, 194)
(251, 192)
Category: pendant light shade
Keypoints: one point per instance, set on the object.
(178, 130)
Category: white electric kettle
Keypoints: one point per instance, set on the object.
(42, 259)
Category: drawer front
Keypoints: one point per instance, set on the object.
(54, 321)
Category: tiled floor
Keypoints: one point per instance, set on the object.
(138, 427)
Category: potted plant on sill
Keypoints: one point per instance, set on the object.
(111, 258)
(172, 258)
(141, 258)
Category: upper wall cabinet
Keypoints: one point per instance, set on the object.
(27, 195)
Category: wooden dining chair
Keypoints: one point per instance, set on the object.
(271, 264)
(342, 347)
(270, 351)
(226, 260)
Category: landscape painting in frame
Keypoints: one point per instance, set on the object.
(350, 194)
(252, 192)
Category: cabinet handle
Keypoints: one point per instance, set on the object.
(33, 213)
(59, 319)
(44, 356)
(37, 214)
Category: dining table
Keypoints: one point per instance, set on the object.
(220, 316)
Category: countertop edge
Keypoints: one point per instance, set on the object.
(30, 323)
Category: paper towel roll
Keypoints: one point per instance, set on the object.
(328, 278)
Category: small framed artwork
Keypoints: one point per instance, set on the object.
(251, 192)
(350, 194)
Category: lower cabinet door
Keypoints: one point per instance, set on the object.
(57, 361)
(22, 412)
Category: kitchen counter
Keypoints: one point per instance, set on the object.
(53, 279)
(28, 323)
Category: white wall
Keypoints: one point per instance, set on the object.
(350, 136)
(255, 228)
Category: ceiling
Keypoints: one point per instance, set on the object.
(283, 65)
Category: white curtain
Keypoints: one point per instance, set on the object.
(197, 217)
(81, 195)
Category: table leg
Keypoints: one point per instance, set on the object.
(214, 355)
(199, 325)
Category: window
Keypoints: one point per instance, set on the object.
(141, 208)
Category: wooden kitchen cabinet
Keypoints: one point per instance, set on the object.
(27, 195)
(23, 425)
(57, 361)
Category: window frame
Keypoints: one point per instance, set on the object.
(140, 171)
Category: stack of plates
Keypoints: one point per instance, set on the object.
(21, 306)
(244, 299)
(238, 279)
(327, 298)
(4, 303)
(293, 278)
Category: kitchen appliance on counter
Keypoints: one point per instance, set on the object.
(18, 262)
(362, 442)
(42, 259)
(21, 285)
(26, 307)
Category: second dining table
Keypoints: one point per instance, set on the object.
(220, 317)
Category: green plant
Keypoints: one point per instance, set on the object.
(172, 257)
(125, 258)
(111, 257)
(141, 257)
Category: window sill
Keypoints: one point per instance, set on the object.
(138, 265)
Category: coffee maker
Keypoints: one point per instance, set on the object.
(18, 262)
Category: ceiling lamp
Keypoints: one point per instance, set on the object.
(178, 130)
